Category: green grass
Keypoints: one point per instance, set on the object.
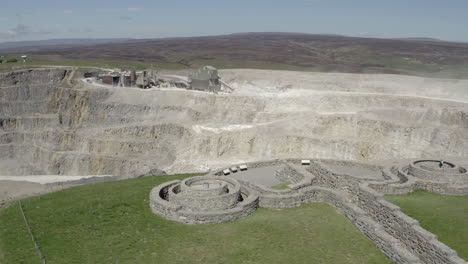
(397, 64)
(445, 216)
(414, 67)
(407, 64)
(248, 64)
(112, 223)
(36, 61)
(281, 186)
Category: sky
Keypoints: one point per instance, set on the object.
(52, 19)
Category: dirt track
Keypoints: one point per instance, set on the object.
(13, 190)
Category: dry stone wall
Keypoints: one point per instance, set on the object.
(398, 236)
(408, 178)
(289, 175)
(415, 239)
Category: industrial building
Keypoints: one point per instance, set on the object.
(205, 79)
(126, 78)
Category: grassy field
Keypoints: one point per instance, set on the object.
(112, 223)
(445, 216)
(397, 65)
(281, 186)
(35, 61)
(393, 65)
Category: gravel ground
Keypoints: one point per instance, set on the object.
(264, 176)
(14, 190)
(364, 173)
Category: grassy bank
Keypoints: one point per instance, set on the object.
(445, 216)
(36, 61)
(112, 223)
(395, 65)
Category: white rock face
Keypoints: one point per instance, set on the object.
(50, 127)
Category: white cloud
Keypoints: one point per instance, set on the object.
(21, 31)
(6, 34)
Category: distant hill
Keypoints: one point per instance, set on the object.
(275, 50)
(53, 42)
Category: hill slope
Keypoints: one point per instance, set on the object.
(38, 44)
(293, 51)
(113, 223)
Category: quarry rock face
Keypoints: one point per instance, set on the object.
(51, 122)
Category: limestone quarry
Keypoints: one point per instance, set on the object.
(52, 123)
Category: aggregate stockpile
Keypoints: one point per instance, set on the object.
(52, 123)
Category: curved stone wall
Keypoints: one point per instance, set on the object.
(215, 187)
(430, 170)
(452, 180)
(203, 200)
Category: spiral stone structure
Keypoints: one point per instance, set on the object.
(203, 200)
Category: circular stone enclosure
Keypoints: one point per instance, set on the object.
(204, 193)
(435, 170)
(202, 186)
(202, 200)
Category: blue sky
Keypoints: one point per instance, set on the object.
(48, 19)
